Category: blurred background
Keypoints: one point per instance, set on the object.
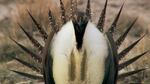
(15, 11)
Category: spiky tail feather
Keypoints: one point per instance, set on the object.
(47, 64)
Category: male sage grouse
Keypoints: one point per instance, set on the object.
(78, 52)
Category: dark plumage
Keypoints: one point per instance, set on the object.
(80, 25)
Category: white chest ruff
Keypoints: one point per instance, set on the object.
(88, 70)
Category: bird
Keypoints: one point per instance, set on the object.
(79, 52)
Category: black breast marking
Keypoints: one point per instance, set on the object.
(79, 27)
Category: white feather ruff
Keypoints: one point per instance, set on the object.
(63, 44)
(95, 45)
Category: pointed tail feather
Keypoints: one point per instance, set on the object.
(126, 51)
(31, 66)
(40, 29)
(114, 24)
(52, 21)
(101, 21)
(130, 73)
(75, 7)
(127, 63)
(122, 37)
(88, 9)
(32, 54)
(63, 12)
(35, 77)
(34, 41)
(72, 10)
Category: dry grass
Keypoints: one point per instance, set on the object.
(143, 62)
(39, 9)
(8, 77)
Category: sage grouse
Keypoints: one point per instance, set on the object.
(78, 52)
